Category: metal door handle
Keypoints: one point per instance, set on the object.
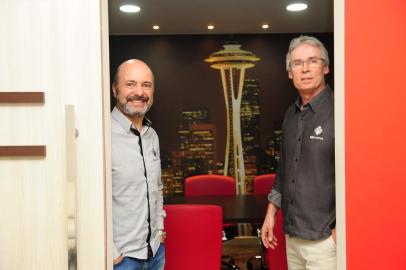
(71, 135)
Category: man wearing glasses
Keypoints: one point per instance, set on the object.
(305, 183)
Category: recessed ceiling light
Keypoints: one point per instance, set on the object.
(130, 8)
(210, 27)
(265, 26)
(156, 27)
(297, 6)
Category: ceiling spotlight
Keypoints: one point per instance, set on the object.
(296, 6)
(155, 27)
(130, 8)
(210, 27)
(265, 26)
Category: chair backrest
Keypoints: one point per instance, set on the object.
(263, 183)
(193, 237)
(274, 258)
(209, 184)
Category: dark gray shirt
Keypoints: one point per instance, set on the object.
(305, 183)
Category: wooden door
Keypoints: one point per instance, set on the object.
(57, 48)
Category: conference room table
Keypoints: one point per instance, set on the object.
(236, 208)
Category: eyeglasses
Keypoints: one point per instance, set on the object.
(312, 62)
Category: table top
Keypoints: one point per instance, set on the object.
(236, 208)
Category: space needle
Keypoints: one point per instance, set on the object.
(232, 63)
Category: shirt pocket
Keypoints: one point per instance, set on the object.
(153, 166)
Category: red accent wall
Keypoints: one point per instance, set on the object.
(375, 115)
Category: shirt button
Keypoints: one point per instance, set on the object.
(293, 180)
(296, 159)
(290, 201)
(299, 140)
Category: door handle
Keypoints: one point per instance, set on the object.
(71, 173)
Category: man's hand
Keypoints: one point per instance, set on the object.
(268, 238)
(333, 234)
(118, 260)
(162, 236)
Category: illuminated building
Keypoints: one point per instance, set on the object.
(232, 63)
(250, 129)
(197, 149)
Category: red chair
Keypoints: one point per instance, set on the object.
(209, 184)
(276, 258)
(273, 258)
(214, 185)
(263, 183)
(193, 237)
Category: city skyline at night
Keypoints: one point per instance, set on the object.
(196, 153)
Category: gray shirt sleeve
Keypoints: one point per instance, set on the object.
(275, 198)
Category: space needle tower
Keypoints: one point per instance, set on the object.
(232, 63)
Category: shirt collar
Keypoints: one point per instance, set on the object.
(315, 102)
(125, 123)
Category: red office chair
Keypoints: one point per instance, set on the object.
(263, 183)
(273, 259)
(276, 258)
(214, 185)
(193, 237)
(209, 184)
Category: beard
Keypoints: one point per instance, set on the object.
(124, 104)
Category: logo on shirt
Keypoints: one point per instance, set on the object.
(154, 152)
(318, 131)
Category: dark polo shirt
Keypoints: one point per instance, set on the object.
(305, 182)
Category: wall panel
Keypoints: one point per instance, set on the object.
(375, 134)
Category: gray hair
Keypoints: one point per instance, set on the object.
(312, 41)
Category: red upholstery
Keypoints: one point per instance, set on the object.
(209, 184)
(274, 258)
(193, 237)
(263, 183)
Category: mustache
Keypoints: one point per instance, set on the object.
(137, 98)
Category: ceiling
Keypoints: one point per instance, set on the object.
(228, 16)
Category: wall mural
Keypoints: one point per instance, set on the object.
(219, 101)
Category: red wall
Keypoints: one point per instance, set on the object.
(375, 115)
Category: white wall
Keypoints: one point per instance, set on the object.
(54, 46)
